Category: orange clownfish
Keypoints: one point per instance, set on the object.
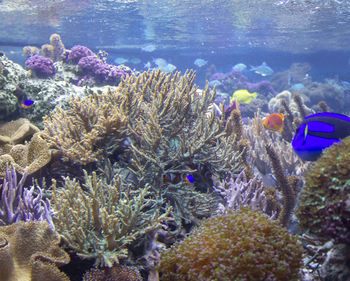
(274, 122)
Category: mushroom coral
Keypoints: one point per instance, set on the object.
(29, 251)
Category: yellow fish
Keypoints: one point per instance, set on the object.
(243, 96)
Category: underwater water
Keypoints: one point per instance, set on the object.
(124, 162)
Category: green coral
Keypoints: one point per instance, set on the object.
(324, 203)
(241, 245)
(100, 220)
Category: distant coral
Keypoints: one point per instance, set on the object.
(30, 251)
(41, 66)
(21, 204)
(100, 220)
(241, 245)
(324, 202)
(78, 52)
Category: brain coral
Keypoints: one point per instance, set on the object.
(241, 245)
(324, 203)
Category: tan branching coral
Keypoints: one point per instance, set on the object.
(31, 156)
(173, 130)
(92, 127)
(29, 251)
(99, 221)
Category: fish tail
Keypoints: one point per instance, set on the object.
(254, 95)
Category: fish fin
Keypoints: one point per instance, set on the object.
(281, 129)
(282, 116)
(254, 95)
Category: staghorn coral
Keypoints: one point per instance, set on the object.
(324, 202)
(172, 130)
(100, 221)
(91, 128)
(29, 251)
(241, 245)
(20, 204)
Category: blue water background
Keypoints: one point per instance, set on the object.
(222, 32)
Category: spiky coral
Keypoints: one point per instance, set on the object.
(241, 245)
(324, 203)
(172, 130)
(91, 128)
(99, 220)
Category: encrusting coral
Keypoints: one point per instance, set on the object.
(243, 245)
(100, 221)
(29, 251)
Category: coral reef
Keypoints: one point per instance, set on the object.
(29, 251)
(78, 52)
(21, 204)
(324, 208)
(241, 245)
(100, 220)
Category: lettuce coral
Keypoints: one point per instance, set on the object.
(241, 245)
(324, 203)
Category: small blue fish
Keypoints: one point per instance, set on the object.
(200, 62)
(263, 69)
(149, 48)
(239, 67)
(319, 131)
(27, 103)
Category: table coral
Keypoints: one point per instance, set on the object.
(30, 252)
(241, 245)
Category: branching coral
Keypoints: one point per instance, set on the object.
(30, 252)
(324, 203)
(241, 245)
(172, 131)
(91, 128)
(100, 221)
(243, 192)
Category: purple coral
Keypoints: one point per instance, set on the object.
(20, 204)
(101, 71)
(78, 52)
(41, 66)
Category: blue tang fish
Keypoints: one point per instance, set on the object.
(319, 131)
